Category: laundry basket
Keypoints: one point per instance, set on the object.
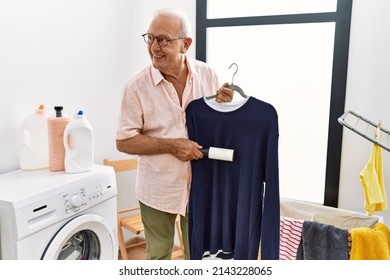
(337, 217)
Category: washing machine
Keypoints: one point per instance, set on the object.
(58, 216)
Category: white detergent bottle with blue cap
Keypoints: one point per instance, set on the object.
(78, 143)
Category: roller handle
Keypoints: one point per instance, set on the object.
(205, 152)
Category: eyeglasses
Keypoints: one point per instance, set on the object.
(161, 40)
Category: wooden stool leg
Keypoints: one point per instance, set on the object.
(121, 241)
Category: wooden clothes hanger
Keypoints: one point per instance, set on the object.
(232, 85)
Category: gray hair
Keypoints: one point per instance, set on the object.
(185, 24)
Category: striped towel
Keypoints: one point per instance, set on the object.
(290, 237)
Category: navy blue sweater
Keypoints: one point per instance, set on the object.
(234, 205)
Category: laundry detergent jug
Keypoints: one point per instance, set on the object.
(56, 127)
(33, 141)
(78, 143)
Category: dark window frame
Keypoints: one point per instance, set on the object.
(342, 19)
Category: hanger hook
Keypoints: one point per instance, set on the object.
(235, 71)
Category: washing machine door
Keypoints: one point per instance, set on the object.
(86, 237)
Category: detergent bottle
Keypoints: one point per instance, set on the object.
(78, 143)
(33, 141)
(56, 127)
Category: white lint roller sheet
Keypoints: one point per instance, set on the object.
(221, 154)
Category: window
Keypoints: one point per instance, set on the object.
(292, 54)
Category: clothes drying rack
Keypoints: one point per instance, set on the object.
(361, 126)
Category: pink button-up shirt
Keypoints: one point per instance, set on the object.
(151, 106)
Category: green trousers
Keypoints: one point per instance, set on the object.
(159, 228)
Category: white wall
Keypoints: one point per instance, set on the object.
(70, 53)
(79, 53)
(368, 94)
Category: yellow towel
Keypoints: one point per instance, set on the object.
(371, 178)
(370, 243)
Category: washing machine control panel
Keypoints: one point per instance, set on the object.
(76, 200)
(81, 198)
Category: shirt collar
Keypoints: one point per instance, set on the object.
(158, 77)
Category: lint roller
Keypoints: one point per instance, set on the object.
(218, 153)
